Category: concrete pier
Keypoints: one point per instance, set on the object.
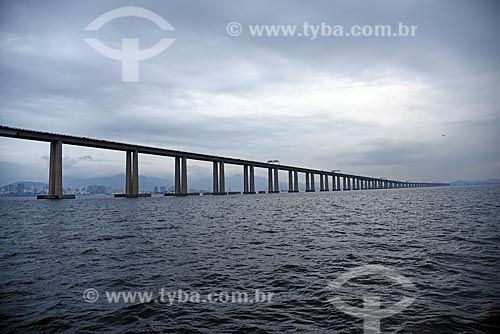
(276, 181)
(269, 180)
(135, 173)
(321, 183)
(184, 185)
(222, 178)
(215, 177)
(252, 179)
(128, 172)
(177, 176)
(248, 189)
(308, 185)
(295, 181)
(132, 176)
(313, 182)
(180, 176)
(245, 179)
(55, 173)
(290, 181)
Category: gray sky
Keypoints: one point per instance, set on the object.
(368, 105)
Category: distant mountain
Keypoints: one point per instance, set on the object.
(26, 184)
(475, 183)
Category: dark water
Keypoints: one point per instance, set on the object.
(444, 240)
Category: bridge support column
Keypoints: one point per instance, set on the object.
(215, 178)
(290, 181)
(184, 185)
(55, 173)
(269, 180)
(295, 181)
(128, 173)
(180, 177)
(245, 179)
(135, 174)
(132, 176)
(276, 188)
(252, 180)
(308, 185)
(177, 175)
(222, 178)
(313, 183)
(321, 183)
(327, 186)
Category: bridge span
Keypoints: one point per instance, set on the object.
(339, 181)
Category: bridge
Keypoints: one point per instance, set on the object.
(339, 181)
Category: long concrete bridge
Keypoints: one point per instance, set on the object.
(338, 181)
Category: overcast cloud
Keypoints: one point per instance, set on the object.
(421, 108)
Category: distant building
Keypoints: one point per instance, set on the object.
(96, 190)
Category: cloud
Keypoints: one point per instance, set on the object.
(366, 105)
